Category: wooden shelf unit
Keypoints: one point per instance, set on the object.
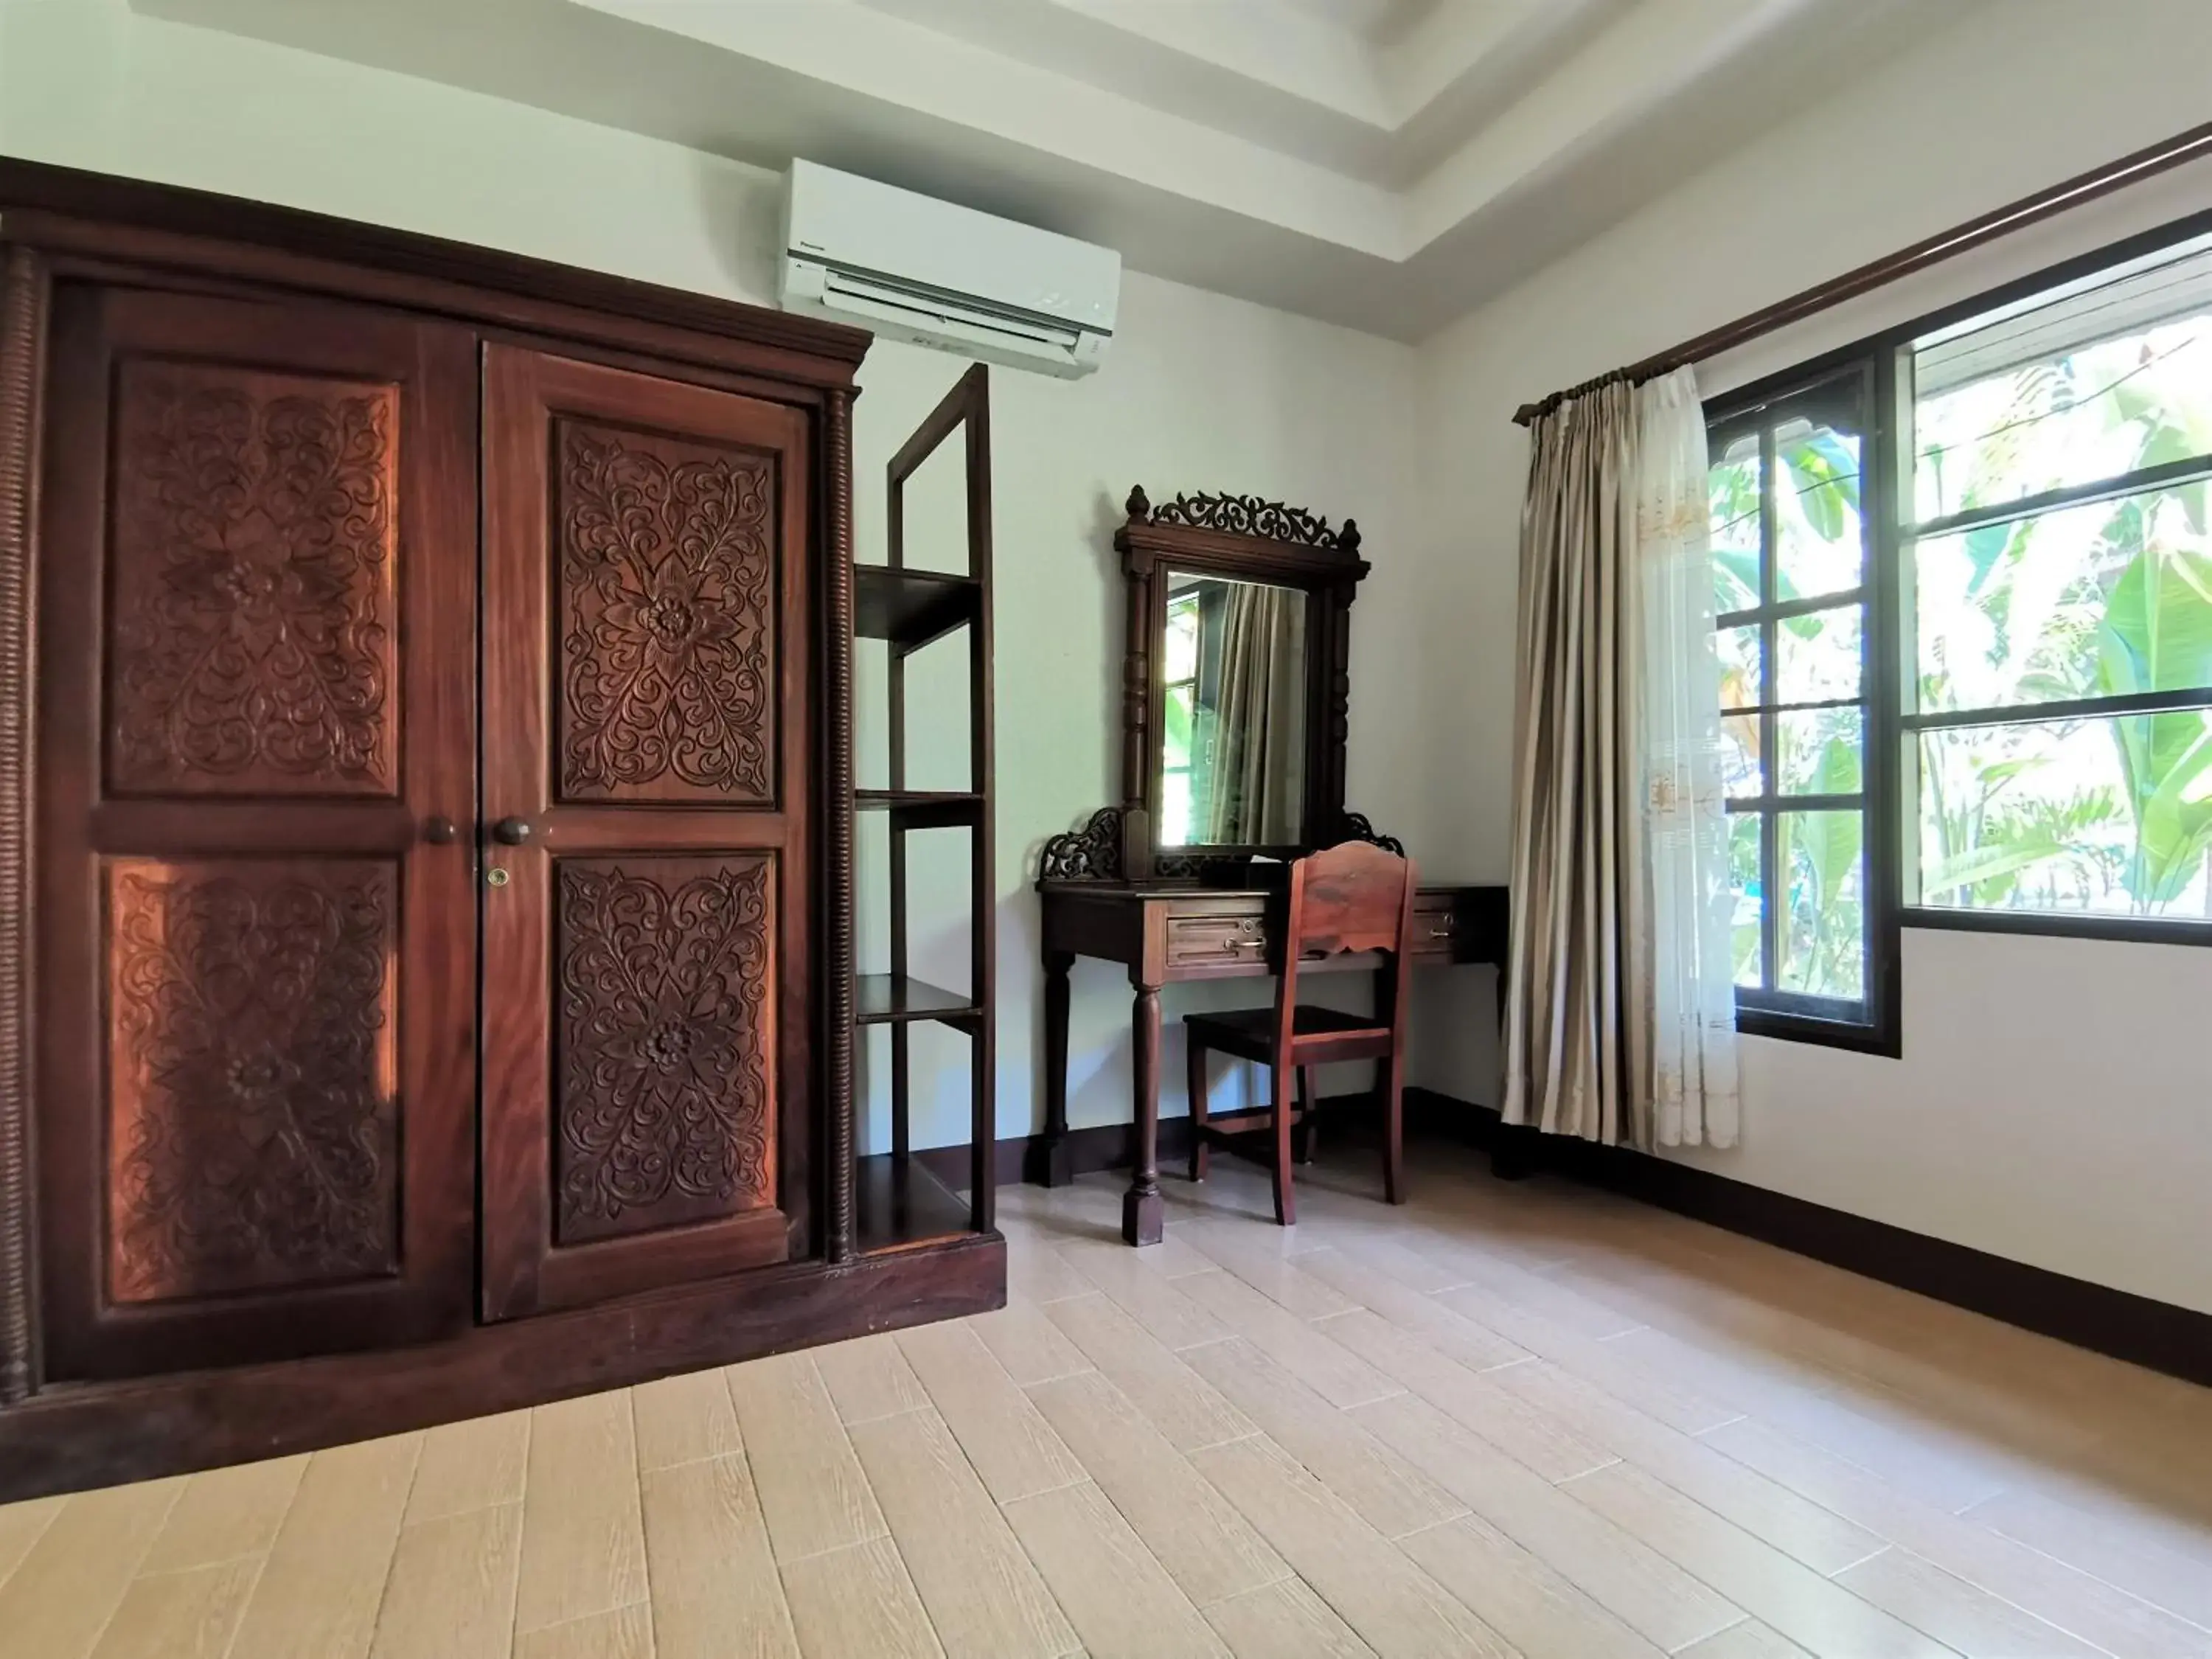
(898, 1204)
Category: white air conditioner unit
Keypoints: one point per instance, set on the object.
(913, 268)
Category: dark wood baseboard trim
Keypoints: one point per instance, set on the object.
(71, 1437)
(2156, 1335)
(1114, 1146)
(1086, 1151)
(2125, 1326)
(2119, 1323)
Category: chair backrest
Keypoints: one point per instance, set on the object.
(1352, 897)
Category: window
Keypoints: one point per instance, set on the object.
(1791, 553)
(2059, 707)
(1181, 645)
(1964, 585)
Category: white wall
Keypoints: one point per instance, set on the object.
(2054, 1101)
(1198, 392)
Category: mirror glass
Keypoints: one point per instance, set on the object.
(1233, 743)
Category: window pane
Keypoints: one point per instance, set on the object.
(1817, 751)
(1742, 679)
(1175, 741)
(2068, 416)
(2107, 816)
(1820, 858)
(1181, 645)
(1819, 545)
(1747, 937)
(1734, 486)
(1175, 809)
(1818, 656)
(2100, 600)
(1740, 776)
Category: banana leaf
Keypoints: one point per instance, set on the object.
(1826, 476)
(2157, 636)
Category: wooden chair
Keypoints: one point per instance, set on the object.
(1349, 898)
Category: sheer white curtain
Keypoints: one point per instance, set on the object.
(1685, 831)
(1620, 1009)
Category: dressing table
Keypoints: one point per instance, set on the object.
(1236, 687)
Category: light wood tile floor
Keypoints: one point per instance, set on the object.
(1505, 1419)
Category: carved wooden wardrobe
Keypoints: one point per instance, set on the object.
(425, 848)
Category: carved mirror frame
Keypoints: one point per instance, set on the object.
(1243, 538)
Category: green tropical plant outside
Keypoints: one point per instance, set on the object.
(1818, 856)
(1179, 745)
(2098, 813)
(2108, 814)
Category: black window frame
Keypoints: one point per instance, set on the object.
(1892, 683)
(1873, 1025)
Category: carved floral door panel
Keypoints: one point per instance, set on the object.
(256, 963)
(646, 728)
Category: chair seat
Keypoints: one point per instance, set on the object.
(1250, 1033)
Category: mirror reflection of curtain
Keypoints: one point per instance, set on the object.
(1257, 790)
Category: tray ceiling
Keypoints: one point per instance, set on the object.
(1387, 164)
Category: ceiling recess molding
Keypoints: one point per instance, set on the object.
(1383, 163)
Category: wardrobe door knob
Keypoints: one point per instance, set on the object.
(511, 832)
(440, 832)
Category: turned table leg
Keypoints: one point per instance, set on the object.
(1144, 1212)
(1051, 1166)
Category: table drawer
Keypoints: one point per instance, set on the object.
(1196, 941)
(1461, 924)
(1436, 925)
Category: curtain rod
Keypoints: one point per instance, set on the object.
(2173, 152)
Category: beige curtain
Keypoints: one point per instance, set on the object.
(1620, 1012)
(1257, 776)
(1573, 1038)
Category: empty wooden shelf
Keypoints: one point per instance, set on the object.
(911, 608)
(922, 809)
(882, 998)
(901, 1207)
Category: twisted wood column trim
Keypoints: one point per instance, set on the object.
(22, 341)
(837, 873)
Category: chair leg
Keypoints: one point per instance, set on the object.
(1286, 1211)
(1197, 1147)
(1308, 1136)
(1394, 1135)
